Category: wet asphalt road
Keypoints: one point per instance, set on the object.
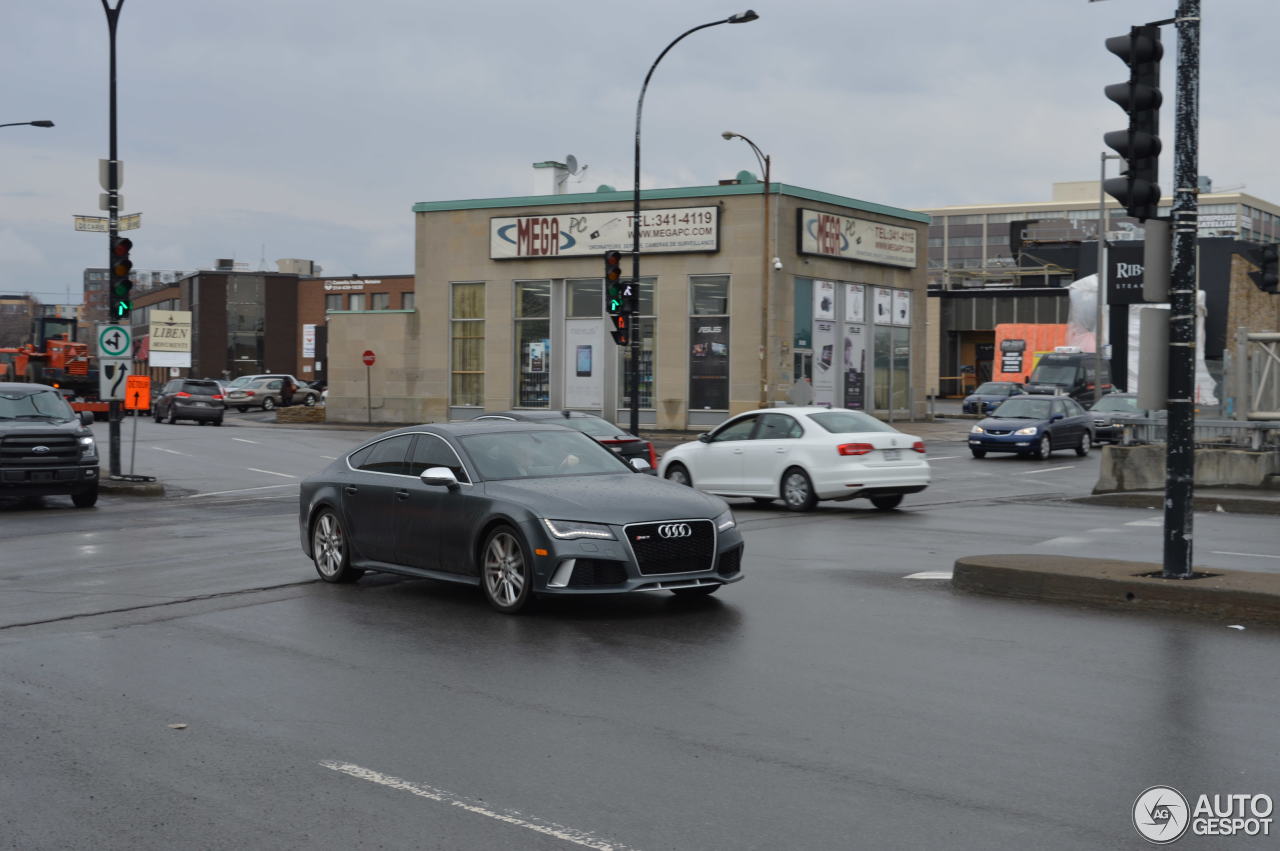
(825, 702)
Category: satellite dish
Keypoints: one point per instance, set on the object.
(571, 163)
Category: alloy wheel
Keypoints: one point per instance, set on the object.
(505, 572)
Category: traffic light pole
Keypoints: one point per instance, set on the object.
(113, 218)
(1180, 439)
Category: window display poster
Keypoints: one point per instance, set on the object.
(825, 364)
(536, 356)
(855, 303)
(901, 307)
(584, 372)
(824, 300)
(883, 306)
(855, 367)
(709, 363)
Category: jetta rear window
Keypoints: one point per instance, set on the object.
(849, 422)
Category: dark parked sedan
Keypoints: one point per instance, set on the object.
(198, 399)
(1112, 411)
(520, 510)
(1033, 425)
(625, 444)
(988, 396)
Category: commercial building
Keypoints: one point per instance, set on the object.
(749, 295)
(1010, 263)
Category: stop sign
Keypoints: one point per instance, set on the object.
(369, 357)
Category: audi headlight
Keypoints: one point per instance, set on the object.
(725, 521)
(571, 529)
(977, 430)
(88, 449)
(1028, 430)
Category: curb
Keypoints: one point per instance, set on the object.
(122, 487)
(1233, 595)
(1234, 503)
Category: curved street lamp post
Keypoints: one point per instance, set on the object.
(633, 371)
(32, 123)
(764, 269)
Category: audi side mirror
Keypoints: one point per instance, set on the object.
(639, 464)
(439, 477)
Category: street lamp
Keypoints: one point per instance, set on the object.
(764, 269)
(32, 123)
(633, 372)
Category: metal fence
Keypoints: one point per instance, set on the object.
(1210, 434)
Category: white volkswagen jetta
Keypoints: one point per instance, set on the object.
(802, 455)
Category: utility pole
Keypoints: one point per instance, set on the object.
(1180, 435)
(113, 217)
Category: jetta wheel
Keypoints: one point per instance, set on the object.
(797, 490)
(887, 503)
(505, 573)
(1085, 444)
(329, 549)
(678, 474)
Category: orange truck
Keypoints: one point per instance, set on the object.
(1019, 347)
(56, 359)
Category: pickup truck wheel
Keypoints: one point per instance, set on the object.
(85, 498)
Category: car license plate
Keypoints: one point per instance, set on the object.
(893, 455)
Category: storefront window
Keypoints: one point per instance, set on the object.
(533, 344)
(893, 368)
(709, 343)
(644, 327)
(585, 298)
(466, 328)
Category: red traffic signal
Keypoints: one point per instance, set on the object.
(621, 329)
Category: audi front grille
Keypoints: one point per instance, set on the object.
(674, 546)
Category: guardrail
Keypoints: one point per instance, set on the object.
(1209, 434)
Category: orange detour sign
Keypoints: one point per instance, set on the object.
(137, 393)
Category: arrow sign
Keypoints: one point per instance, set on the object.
(114, 341)
(137, 390)
(112, 373)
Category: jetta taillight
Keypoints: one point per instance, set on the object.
(918, 446)
(854, 448)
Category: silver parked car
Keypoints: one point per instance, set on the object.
(264, 393)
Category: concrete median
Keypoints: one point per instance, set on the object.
(1240, 597)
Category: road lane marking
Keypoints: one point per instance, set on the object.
(930, 574)
(1067, 541)
(170, 451)
(1045, 470)
(330, 457)
(271, 472)
(943, 458)
(1152, 521)
(242, 440)
(1250, 555)
(240, 490)
(567, 834)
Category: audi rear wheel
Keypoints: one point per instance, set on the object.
(330, 549)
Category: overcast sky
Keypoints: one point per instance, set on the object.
(255, 129)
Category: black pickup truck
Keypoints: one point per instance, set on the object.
(45, 447)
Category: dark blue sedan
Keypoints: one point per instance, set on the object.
(1033, 425)
(989, 395)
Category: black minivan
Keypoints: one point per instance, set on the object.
(1068, 372)
(189, 399)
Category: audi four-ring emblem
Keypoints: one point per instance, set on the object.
(674, 530)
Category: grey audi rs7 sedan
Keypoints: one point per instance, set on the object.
(519, 509)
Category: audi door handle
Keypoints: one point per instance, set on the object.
(781, 450)
(350, 490)
(402, 494)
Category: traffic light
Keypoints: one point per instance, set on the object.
(630, 298)
(621, 328)
(1139, 145)
(121, 283)
(613, 282)
(1267, 277)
